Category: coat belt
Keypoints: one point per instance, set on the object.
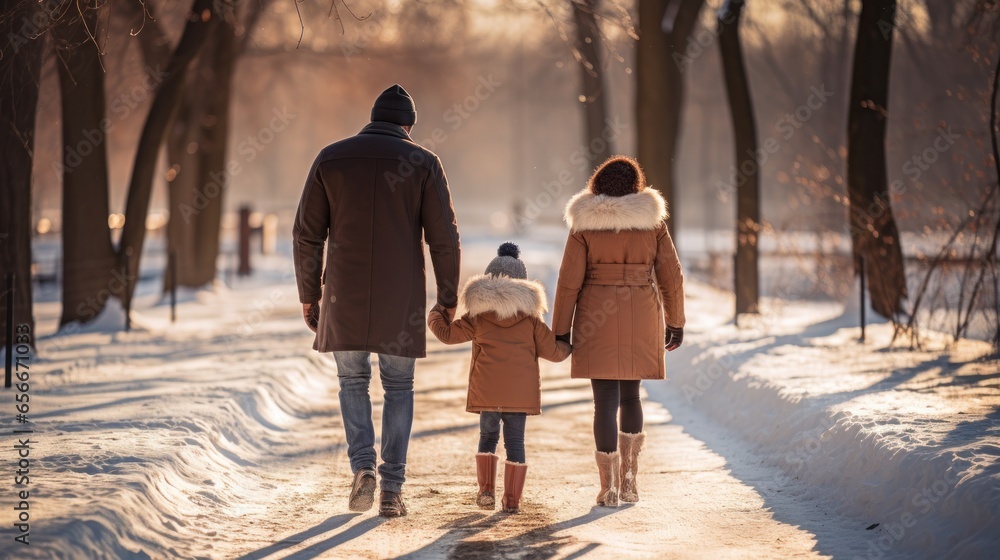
(615, 274)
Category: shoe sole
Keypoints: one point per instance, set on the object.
(363, 497)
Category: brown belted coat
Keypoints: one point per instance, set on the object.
(619, 283)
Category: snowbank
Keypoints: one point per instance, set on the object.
(907, 440)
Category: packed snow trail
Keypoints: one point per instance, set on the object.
(220, 437)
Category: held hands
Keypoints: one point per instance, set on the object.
(675, 335)
(447, 312)
(565, 338)
(310, 312)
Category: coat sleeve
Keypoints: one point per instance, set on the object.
(546, 345)
(309, 235)
(437, 218)
(669, 278)
(571, 275)
(457, 332)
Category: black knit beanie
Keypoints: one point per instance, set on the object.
(394, 105)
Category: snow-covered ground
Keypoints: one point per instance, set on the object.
(219, 436)
(906, 439)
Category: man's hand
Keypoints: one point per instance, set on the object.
(675, 335)
(310, 312)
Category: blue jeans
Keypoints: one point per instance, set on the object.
(354, 371)
(513, 433)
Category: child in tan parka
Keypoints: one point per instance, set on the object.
(504, 322)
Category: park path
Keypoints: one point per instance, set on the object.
(220, 437)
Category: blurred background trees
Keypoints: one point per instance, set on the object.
(514, 97)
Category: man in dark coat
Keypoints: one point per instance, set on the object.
(369, 203)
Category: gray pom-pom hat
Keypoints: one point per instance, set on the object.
(507, 262)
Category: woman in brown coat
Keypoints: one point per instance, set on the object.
(504, 322)
(621, 292)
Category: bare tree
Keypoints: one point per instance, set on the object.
(198, 176)
(161, 115)
(20, 67)
(594, 91)
(747, 179)
(874, 235)
(88, 254)
(93, 270)
(664, 29)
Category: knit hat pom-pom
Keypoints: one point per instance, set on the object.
(508, 249)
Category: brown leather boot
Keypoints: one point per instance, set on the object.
(486, 472)
(392, 504)
(629, 446)
(609, 469)
(513, 484)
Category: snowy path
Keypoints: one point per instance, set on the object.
(221, 438)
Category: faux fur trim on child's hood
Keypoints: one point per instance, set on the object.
(503, 295)
(587, 211)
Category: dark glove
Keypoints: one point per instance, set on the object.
(563, 338)
(675, 335)
(310, 312)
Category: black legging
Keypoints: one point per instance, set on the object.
(609, 395)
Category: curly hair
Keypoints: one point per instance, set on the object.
(618, 176)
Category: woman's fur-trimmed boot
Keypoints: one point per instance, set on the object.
(513, 485)
(630, 446)
(609, 468)
(486, 472)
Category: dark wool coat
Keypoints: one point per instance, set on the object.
(619, 283)
(504, 323)
(372, 200)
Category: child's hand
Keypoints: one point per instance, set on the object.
(444, 311)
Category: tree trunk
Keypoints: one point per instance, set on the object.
(88, 256)
(594, 92)
(201, 24)
(660, 88)
(874, 234)
(747, 179)
(196, 191)
(20, 69)
(215, 135)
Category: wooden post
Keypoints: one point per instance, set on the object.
(861, 268)
(244, 269)
(126, 298)
(9, 358)
(172, 265)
